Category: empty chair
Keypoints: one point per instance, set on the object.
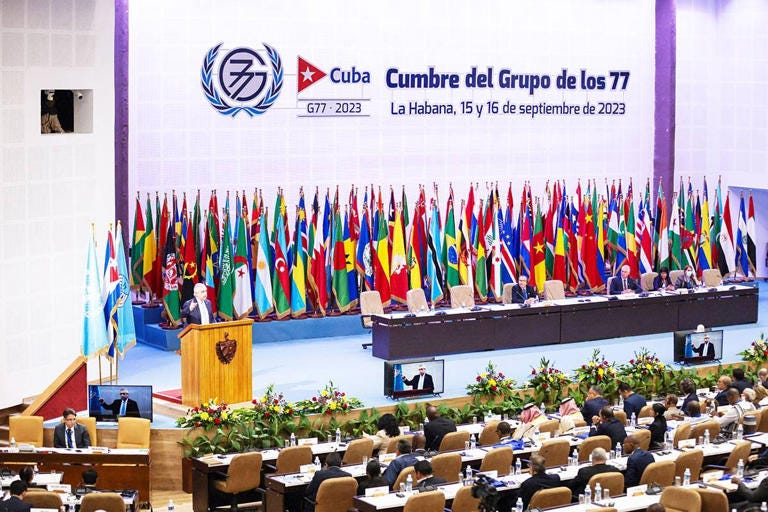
(358, 449)
(370, 304)
(454, 441)
(713, 500)
(712, 277)
(43, 499)
(621, 416)
(608, 284)
(691, 460)
(682, 432)
(290, 459)
(506, 293)
(590, 443)
(26, 430)
(446, 465)
(462, 296)
(613, 481)
(499, 460)
(489, 435)
(763, 425)
(697, 430)
(392, 446)
(662, 473)
(680, 499)
(108, 501)
(550, 426)
(403, 476)
(432, 501)
(554, 497)
(335, 494)
(554, 290)
(89, 422)
(464, 502)
(646, 281)
(740, 452)
(133, 433)
(244, 475)
(416, 300)
(555, 452)
(646, 411)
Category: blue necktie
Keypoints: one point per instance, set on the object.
(525, 293)
(122, 408)
(69, 438)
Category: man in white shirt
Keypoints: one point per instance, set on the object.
(738, 407)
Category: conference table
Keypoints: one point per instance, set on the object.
(574, 319)
(117, 468)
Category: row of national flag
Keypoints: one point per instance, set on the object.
(108, 326)
(330, 250)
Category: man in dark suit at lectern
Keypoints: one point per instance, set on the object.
(198, 310)
(522, 293)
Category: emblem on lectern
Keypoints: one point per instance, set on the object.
(225, 349)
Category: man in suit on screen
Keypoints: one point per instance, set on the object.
(522, 293)
(198, 310)
(70, 434)
(123, 406)
(623, 284)
(706, 349)
(421, 381)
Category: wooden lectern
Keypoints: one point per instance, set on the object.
(216, 362)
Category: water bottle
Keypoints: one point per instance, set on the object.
(687, 477)
(764, 507)
(461, 478)
(409, 484)
(740, 468)
(170, 506)
(36, 470)
(633, 420)
(598, 491)
(543, 408)
(618, 450)
(587, 495)
(518, 467)
(293, 439)
(519, 505)
(670, 444)
(706, 437)
(621, 401)
(473, 442)
(13, 442)
(338, 435)
(576, 457)
(468, 476)
(317, 463)
(739, 431)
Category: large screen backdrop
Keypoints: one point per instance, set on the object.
(413, 93)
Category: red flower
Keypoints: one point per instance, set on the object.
(501, 375)
(267, 415)
(254, 401)
(328, 412)
(275, 401)
(197, 423)
(223, 407)
(533, 372)
(631, 361)
(344, 405)
(493, 388)
(478, 378)
(217, 421)
(210, 411)
(544, 385)
(343, 394)
(314, 399)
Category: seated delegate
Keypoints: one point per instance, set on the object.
(663, 282)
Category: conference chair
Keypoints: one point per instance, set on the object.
(674, 274)
(370, 304)
(244, 475)
(643, 437)
(464, 502)
(446, 465)
(682, 432)
(290, 459)
(43, 499)
(357, 449)
(499, 460)
(589, 445)
(416, 300)
(712, 277)
(680, 499)
(692, 461)
(763, 425)
(432, 501)
(462, 296)
(506, 293)
(621, 416)
(107, 501)
(608, 284)
(713, 500)
(489, 436)
(335, 494)
(133, 433)
(554, 497)
(713, 426)
(646, 281)
(554, 290)
(454, 441)
(26, 430)
(403, 476)
(740, 452)
(662, 473)
(646, 411)
(89, 422)
(550, 426)
(392, 446)
(613, 481)
(555, 452)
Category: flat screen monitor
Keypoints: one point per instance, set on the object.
(105, 402)
(413, 377)
(693, 347)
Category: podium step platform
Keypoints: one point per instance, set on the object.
(164, 339)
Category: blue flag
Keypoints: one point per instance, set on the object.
(126, 331)
(94, 329)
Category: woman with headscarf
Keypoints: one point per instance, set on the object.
(529, 418)
(569, 413)
(658, 427)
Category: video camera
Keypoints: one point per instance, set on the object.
(484, 490)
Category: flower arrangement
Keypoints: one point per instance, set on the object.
(547, 382)
(643, 366)
(757, 352)
(208, 415)
(272, 406)
(329, 400)
(596, 371)
(491, 382)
